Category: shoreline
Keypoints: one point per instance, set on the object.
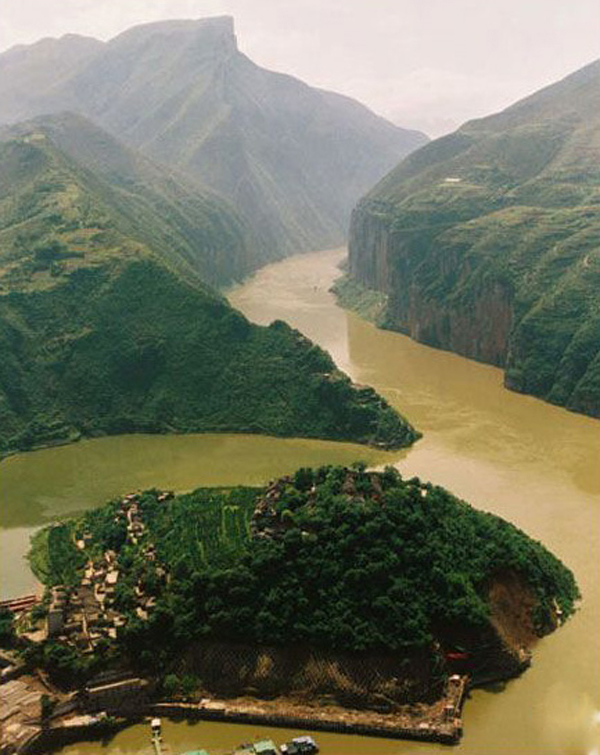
(325, 718)
(81, 438)
(79, 728)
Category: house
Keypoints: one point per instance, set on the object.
(112, 576)
(55, 620)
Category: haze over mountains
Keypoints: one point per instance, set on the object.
(293, 159)
(487, 242)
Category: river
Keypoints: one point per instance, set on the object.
(532, 463)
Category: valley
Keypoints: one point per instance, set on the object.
(353, 490)
(516, 456)
(293, 159)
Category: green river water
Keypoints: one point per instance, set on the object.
(532, 463)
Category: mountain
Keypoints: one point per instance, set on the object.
(29, 71)
(487, 242)
(197, 231)
(106, 326)
(293, 159)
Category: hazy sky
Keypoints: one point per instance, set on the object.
(428, 64)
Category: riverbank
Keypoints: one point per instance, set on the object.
(70, 731)
(440, 722)
(530, 462)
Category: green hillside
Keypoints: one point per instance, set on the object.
(197, 232)
(486, 242)
(293, 159)
(332, 558)
(105, 327)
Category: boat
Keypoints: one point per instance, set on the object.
(263, 747)
(300, 746)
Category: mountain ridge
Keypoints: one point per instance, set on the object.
(106, 328)
(162, 209)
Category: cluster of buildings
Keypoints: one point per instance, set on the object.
(268, 522)
(265, 519)
(87, 614)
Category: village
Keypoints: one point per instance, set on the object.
(86, 615)
(80, 617)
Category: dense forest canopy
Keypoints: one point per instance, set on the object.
(335, 558)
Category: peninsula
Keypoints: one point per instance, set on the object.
(108, 324)
(382, 598)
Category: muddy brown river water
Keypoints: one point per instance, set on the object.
(532, 463)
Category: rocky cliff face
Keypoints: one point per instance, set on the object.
(382, 259)
(486, 243)
(498, 651)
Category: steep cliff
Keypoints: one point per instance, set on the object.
(486, 242)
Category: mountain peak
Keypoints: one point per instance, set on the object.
(217, 28)
(291, 158)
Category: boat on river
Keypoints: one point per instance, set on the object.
(300, 746)
(304, 745)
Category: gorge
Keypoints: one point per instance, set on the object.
(530, 462)
(142, 180)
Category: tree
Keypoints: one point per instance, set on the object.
(7, 628)
(189, 684)
(171, 686)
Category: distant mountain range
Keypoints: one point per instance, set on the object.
(291, 158)
(487, 242)
(108, 326)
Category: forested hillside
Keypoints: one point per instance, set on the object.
(46, 160)
(106, 326)
(332, 558)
